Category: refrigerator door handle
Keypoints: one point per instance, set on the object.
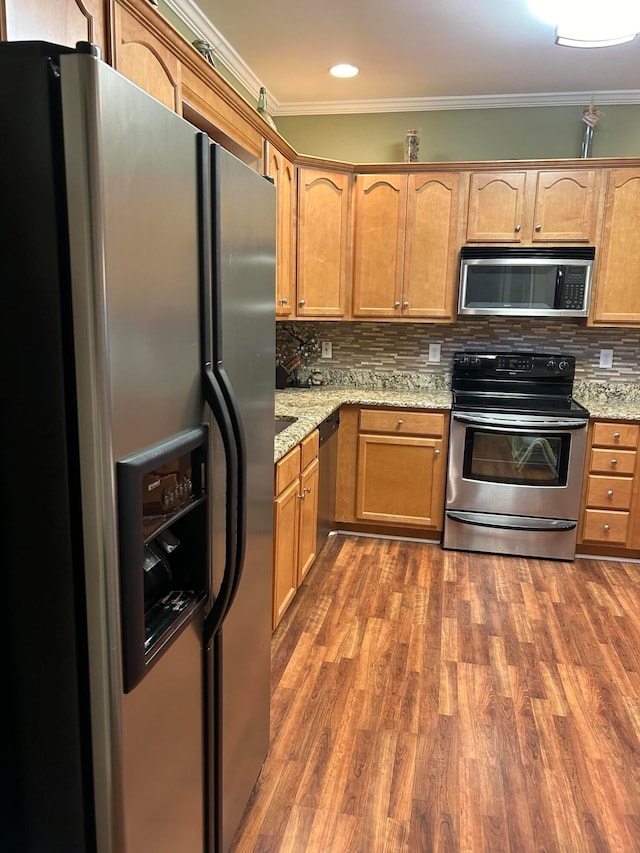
(219, 396)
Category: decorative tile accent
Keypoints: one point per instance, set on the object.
(396, 354)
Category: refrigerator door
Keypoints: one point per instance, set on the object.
(133, 224)
(244, 350)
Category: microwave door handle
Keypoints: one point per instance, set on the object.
(559, 294)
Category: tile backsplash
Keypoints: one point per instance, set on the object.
(376, 350)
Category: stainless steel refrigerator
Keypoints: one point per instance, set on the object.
(137, 318)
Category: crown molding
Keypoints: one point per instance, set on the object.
(197, 21)
(469, 102)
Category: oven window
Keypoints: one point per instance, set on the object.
(525, 459)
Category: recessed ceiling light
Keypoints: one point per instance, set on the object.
(344, 70)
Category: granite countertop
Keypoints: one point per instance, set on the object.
(312, 405)
(619, 401)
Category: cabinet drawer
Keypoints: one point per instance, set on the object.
(612, 461)
(402, 423)
(615, 435)
(609, 492)
(287, 469)
(309, 446)
(606, 527)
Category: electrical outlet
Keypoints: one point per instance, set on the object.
(434, 352)
(326, 349)
(606, 358)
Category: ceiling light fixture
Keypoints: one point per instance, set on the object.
(590, 23)
(344, 70)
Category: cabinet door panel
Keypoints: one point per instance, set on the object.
(58, 21)
(308, 509)
(400, 480)
(617, 300)
(496, 201)
(565, 206)
(380, 219)
(323, 243)
(283, 173)
(431, 245)
(285, 544)
(139, 56)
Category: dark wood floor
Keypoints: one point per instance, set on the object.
(426, 700)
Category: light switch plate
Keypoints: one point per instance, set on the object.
(434, 352)
(606, 358)
(326, 349)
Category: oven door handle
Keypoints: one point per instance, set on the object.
(546, 425)
(511, 522)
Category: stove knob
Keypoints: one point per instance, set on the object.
(475, 361)
(551, 364)
(464, 361)
(562, 365)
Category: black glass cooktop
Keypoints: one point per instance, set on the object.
(524, 404)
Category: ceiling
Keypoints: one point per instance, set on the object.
(413, 54)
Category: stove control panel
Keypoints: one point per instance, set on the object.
(524, 364)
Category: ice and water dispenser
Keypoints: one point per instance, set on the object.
(162, 512)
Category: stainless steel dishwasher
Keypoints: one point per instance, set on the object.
(327, 457)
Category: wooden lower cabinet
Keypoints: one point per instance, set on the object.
(392, 468)
(611, 492)
(295, 521)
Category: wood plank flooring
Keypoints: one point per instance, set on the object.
(429, 700)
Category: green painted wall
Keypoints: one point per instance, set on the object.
(522, 133)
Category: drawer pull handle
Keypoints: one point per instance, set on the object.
(614, 461)
(610, 493)
(616, 436)
(400, 423)
(607, 527)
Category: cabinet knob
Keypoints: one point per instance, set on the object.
(307, 490)
(301, 497)
(616, 436)
(302, 302)
(283, 301)
(517, 228)
(436, 453)
(400, 422)
(610, 493)
(538, 227)
(396, 304)
(405, 304)
(607, 527)
(614, 461)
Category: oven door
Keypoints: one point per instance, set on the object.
(516, 465)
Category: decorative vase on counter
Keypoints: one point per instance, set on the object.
(412, 147)
(263, 110)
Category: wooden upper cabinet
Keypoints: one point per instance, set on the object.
(565, 208)
(430, 260)
(59, 21)
(496, 203)
(617, 294)
(145, 60)
(380, 222)
(525, 207)
(405, 245)
(323, 243)
(284, 175)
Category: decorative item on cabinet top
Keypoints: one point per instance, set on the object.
(203, 47)
(263, 109)
(412, 146)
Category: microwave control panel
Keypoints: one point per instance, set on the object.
(574, 286)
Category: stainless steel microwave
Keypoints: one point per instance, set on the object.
(522, 282)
